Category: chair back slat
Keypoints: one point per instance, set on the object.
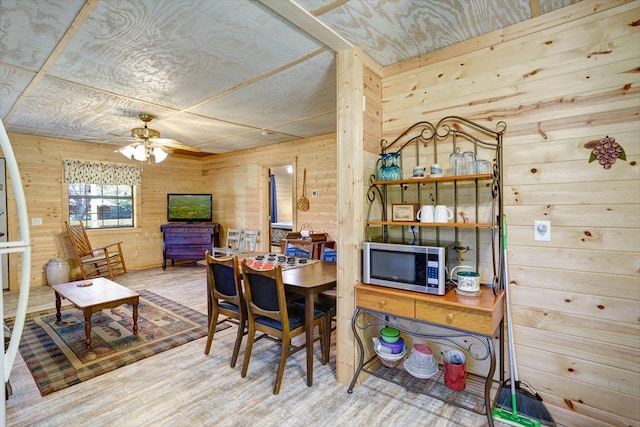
(234, 239)
(79, 239)
(250, 241)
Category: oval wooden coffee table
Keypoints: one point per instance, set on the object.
(93, 295)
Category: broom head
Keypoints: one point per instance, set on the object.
(512, 418)
(528, 403)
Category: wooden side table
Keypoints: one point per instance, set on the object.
(93, 295)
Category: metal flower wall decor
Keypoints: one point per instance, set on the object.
(606, 151)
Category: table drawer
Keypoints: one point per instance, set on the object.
(205, 230)
(462, 318)
(391, 304)
(192, 251)
(187, 239)
(188, 230)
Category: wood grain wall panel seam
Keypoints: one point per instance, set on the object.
(568, 301)
(622, 380)
(558, 342)
(594, 395)
(596, 331)
(622, 286)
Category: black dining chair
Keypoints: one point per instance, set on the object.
(328, 299)
(226, 298)
(277, 320)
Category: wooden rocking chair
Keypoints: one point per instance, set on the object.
(105, 261)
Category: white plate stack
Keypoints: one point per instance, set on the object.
(421, 363)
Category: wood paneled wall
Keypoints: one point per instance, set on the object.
(239, 184)
(559, 81)
(40, 163)
(233, 179)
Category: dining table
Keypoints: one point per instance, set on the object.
(307, 280)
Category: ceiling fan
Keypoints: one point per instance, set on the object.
(147, 143)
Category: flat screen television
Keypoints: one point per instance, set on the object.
(189, 208)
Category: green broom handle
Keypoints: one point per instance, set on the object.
(512, 347)
(514, 374)
(504, 232)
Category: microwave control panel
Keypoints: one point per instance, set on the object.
(433, 269)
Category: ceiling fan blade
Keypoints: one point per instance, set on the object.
(113, 138)
(172, 143)
(149, 138)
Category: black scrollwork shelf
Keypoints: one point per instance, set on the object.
(428, 140)
(480, 390)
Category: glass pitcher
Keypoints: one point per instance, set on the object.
(455, 164)
(468, 163)
(382, 169)
(393, 168)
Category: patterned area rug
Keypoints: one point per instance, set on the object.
(55, 351)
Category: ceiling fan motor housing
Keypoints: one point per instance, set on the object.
(145, 133)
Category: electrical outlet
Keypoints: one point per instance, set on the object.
(542, 231)
(315, 193)
(36, 221)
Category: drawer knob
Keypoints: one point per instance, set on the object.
(450, 317)
(382, 302)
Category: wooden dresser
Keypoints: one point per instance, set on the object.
(188, 241)
(470, 324)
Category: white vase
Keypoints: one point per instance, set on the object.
(58, 271)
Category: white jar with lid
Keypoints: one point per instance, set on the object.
(58, 271)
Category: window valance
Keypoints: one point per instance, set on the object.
(76, 171)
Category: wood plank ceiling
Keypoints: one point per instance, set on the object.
(221, 75)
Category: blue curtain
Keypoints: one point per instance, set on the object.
(274, 200)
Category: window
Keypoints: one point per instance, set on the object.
(101, 195)
(101, 205)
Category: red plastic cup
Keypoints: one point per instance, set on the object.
(455, 370)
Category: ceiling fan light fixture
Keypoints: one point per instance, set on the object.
(127, 151)
(159, 154)
(140, 153)
(147, 144)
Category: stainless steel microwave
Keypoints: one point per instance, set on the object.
(409, 267)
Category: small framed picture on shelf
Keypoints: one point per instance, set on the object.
(404, 212)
